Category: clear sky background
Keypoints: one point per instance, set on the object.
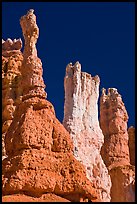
(100, 35)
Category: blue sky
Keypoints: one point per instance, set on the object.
(100, 35)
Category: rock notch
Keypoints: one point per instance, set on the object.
(39, 149)
(81, 121)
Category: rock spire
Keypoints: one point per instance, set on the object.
(115, 150)
(32, 82)
(113, 122)
(81, 120)
(39, 149)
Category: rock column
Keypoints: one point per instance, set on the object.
(81, 120)
(115, 150)
(39, 149)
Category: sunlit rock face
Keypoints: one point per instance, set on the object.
(39, 149)
(81, 120)
(11, 45)
(113, 122)
(123, 183)
(39, 155)
(32, 82)
(115, 150)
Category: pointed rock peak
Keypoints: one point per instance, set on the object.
(77, 66)
(30, 32)
(31, 11)
(103, 92)
(112, 92)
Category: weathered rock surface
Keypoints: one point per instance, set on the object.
(40, 158)
(48, 197)
(11, 63)
(32, 82)
(81, 120)
(115, 150)
(131, 143)
(123, 183)
(113, 122)
(10, 45)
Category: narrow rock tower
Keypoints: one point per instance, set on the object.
(115, 150)
(113, 122)
(39, 149)
(81, 120)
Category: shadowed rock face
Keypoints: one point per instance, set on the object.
(131, 143)
(81, 120)
(11, 64)
(40, 158)
(115, 150)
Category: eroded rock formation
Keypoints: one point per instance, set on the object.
(131, 143)
(123, 183)
(40, 158)
(81, 120)
(11, 63)
(10, 45)
(113, 122)
(115, 150)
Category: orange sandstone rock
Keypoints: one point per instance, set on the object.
(115, 150)
(131, 143)
(123, 183)
(40, 158)
(113, 122)
(48, 197)
(11, 63)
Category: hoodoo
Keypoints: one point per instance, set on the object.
(85, 159)
(115, 150)
(81, 121)
(39, 149)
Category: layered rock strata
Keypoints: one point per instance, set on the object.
(81, 121)
(11, 63)
(115, 150)
(131, 143)
(40, 158)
